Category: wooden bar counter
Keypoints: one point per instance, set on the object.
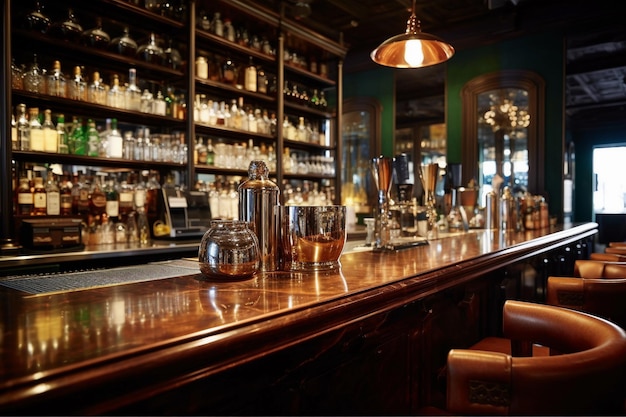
(368, 339)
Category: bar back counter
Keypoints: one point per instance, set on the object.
(371, 338)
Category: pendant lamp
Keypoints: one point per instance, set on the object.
(412, 49)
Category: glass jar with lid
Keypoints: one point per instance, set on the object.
(229, 250)
(68, 29)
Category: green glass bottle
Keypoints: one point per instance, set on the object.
(77, 139)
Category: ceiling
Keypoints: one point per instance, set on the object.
(594, 31)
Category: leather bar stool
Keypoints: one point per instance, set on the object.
(611, 257)
(615, 249)
(586, 268)
(586, 378)
(603, 297)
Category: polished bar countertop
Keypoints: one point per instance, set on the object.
(56, 342)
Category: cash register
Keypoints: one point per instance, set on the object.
(185, 213)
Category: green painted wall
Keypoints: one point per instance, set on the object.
(379, 84)
(541, 53)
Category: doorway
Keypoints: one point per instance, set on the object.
(609, 195)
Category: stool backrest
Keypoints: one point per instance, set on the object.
(586, 379)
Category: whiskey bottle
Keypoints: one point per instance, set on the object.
(97, 200)
(36, 130)
(24, 198)
(66, 195)
(50, 141)
(39, 197)
(53, 195)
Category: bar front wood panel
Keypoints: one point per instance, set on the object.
(368, 339)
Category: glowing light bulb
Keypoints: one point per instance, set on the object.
(413, 53)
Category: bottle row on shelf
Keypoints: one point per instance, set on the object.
(248, 118)
(48, 190)
(224, 27)
(149, 98)
(84, 138)
(69, 29)
(253, 78)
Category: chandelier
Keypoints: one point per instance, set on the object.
(506, 116)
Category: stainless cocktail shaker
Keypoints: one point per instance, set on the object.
(258, 205)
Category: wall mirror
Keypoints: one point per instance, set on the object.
(360, 143)
(503, 130)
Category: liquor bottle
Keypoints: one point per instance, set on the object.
(96, 37)
(104, 139)
(76, 140)
(97, 199)
(210, 153)
(261, 81)
(36, 130)
(23, 128)
(250, 77)
(77, 88)
(53, 195)
(39, 197)
(159, 106)
(229, 30)
(235, 115)
(66, 195)
(57, 85)
(50, 141)
(68, 29)
(171, 56)
(217, 26)
(81, 196)
(301, 132)
(24, 197)
(96, 92)
(115, 141)
(93, 139)
(115, 96)
(62, 141)
(34, 81)
(126, 198)
(124, 44)
(14, 143)
(151, 52)
(112, 200)
(36, 19)
(201, 151)
(229, 72)
(133, 93)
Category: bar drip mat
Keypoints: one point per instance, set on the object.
(74, 281)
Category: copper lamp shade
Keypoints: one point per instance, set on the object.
(413, 49)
